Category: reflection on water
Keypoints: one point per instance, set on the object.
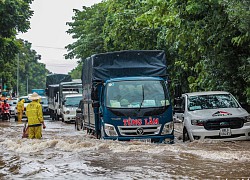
(64, 153)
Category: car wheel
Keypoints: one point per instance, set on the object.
(57, 117)
(82, 125)
(185, 135)
(75, 125)
(79, 125)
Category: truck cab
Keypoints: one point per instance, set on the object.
(135, 108)
(126, 97)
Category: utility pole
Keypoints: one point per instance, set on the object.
(17, 76)
(27, 85)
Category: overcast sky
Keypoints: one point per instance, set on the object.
(48, 31)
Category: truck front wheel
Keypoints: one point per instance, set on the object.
(185, 135)
(102, 133)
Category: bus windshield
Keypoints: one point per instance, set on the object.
(136, 94)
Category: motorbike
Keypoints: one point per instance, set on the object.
(5, 114)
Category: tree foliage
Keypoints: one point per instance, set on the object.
(86, 28)
(207, 42)
(15, 16)
(32, 74)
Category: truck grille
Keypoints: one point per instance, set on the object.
(139, 130)
(216, 124)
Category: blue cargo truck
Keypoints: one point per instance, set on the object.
(126, 96)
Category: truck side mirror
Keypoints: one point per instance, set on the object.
(178, 105)
(94, 93)
(178, 91)
(95, 104)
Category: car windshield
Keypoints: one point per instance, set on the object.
(72, 101)
(213, 101)
(26, 100)
(136, 94)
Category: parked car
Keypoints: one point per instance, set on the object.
(13, 104)
(26, 102)
(79, 116)
(212, 115)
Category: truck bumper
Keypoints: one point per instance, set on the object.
(167, 139)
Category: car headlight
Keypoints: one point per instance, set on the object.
(168, 128)
(198, 122)
(67, 112)
(247, 119)
(110, 130)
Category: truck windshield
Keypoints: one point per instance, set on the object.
(136, 94)
(212, 101)
(72, 101)
(44, 101)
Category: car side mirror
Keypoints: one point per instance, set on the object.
(178, 105)
(78, 110)
(94, 93)
(177, 91)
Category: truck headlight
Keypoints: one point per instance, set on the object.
(247, 119)
(110, 130)
(197, 122)
(168, 128)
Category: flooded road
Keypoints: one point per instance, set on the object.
(65, 153)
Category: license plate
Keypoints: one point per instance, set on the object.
(225, 132)
(141, 140)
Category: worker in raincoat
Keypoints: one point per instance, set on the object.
(20, 109)
(35, 117)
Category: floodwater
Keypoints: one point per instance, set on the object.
(65, 153)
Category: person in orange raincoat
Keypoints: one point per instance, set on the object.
(35, 117)
(20, 109)
(1, 106)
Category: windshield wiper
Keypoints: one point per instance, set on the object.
(142, 98)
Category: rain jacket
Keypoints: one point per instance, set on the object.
(20, 106)
(5, 106)
(34, 113)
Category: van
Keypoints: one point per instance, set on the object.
(69, 106)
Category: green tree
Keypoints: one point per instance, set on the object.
(207, 42)
(32, 74)
(14, 17)
(87, 29)
(76, 73)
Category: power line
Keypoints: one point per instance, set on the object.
(48, 47)
(61, 65)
